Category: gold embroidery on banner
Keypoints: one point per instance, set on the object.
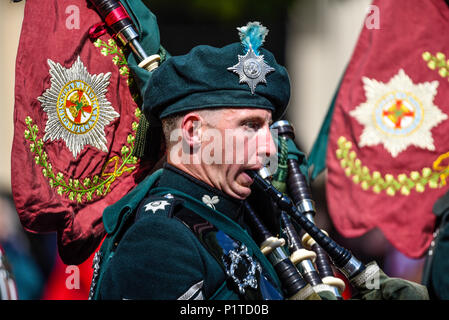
(403, 183)
(398, 114)
(88, 188)
(444, 169)
(80, 190)
(111, 48)
(118, 169)
(437, 62)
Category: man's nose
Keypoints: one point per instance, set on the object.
(267, 147)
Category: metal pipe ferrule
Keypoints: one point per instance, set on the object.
(277, 255)
(127, 34)
(306, 205)
(352, 268)
(307, 266)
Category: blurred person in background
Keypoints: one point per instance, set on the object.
(25, 257)
(8, 288)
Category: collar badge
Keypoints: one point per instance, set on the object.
(210, 202)
(156, 205)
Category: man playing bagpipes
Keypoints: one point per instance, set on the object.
(197, 228)
(185, 231)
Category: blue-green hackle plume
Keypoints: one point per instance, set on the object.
(253, 34)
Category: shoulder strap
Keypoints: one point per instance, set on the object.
(224, 224)
(225, 250)
(155, 205)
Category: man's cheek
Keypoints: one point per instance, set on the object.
(251, 152)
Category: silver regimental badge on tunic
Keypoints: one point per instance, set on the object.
(242, 268)
(251, 69)
(77, 108)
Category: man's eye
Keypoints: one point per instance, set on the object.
(252, 125)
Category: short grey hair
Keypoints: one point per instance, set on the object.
(173, 122)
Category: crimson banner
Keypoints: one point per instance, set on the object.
(75, 123)
(388, 144)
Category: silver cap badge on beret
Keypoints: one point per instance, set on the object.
(251, 67)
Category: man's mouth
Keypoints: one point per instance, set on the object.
(245, 179)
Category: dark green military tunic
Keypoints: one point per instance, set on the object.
(178, 234)
(435, 274)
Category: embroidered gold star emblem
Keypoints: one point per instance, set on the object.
(398, 114)
(77, 108)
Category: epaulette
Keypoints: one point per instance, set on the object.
(150, 205)
(158, 205)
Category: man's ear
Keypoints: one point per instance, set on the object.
(192, 130)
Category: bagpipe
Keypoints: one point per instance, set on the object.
(313, 251)
(116, 18)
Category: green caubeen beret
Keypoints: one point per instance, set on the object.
(239, 75)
